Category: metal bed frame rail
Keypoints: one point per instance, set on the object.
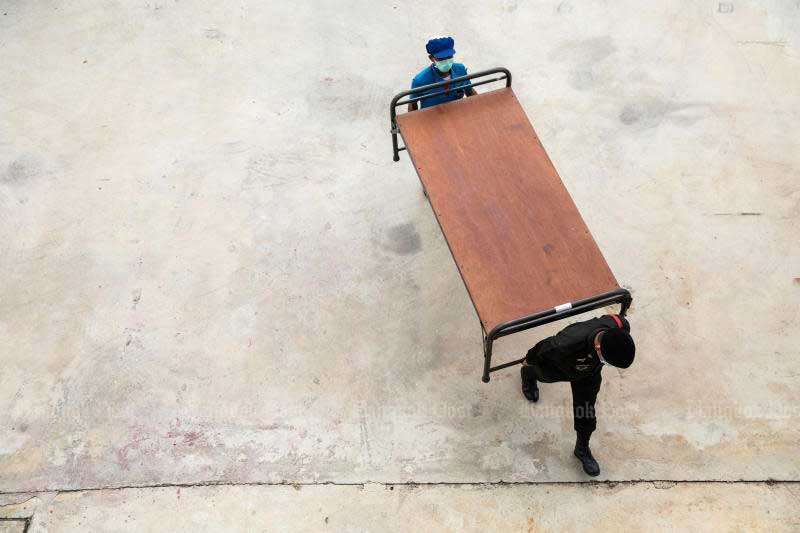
(505, 74)
(617, 296)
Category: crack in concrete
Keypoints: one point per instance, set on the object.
(14, 504)
(657, 483)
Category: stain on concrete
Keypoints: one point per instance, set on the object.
(336, 95)
(725, 7)
(651, 112)
(135, 297)
(581, 79)
(136, 438)
(434, 356)
(509, 6)
(586, 56)
(403, 239)
(236, 147)
(22, 169)
(586, 51)
(187, 438)
(564, 8)
(214, 34)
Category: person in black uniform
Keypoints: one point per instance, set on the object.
(577, 354)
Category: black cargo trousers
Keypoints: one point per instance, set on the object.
(584, 396)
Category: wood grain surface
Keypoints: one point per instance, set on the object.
(518, 240)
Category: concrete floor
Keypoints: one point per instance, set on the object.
(559, 507)
(213, 273)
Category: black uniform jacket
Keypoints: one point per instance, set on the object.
(570, 355)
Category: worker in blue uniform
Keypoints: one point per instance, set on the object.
(441, 51)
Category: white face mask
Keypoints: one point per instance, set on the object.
(444, 65)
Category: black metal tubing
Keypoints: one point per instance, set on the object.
(617, 296)
(505, 75)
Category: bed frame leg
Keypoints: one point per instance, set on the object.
(395, 147)
(487, 357)
(626, 304)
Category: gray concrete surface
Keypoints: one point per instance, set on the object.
(562, 507)
(213, 271)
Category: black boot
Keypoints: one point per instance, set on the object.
(529, 386)
(583, 453)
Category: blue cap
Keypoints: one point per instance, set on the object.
(440, 47)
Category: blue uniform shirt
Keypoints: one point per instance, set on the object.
(431, 75)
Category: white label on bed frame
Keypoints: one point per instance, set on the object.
(563, 307)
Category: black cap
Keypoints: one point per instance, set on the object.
(617, 347)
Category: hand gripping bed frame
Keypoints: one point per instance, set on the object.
(523, 250)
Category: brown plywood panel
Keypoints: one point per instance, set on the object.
(518, 240)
